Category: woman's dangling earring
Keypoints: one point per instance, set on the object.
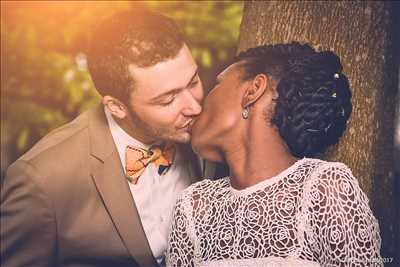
(245, 113)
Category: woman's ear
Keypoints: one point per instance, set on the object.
(116, 107)
(255, 90)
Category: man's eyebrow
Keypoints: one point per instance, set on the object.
(175, 90)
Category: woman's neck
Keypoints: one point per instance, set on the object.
(255, 159)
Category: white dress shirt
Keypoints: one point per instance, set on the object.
(154, 195)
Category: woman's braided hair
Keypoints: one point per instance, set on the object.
(314, 100)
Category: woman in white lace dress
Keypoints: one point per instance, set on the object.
(270, 114)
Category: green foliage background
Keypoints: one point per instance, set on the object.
(44, 81)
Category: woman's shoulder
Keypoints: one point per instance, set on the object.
(336, 181)
(321, 169)
(332, 170)
(331, 178)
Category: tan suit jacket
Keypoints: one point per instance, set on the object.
(66, 202)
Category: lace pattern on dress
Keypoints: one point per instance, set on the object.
(314, 210)
(262, 262)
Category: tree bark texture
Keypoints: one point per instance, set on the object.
(365, 36)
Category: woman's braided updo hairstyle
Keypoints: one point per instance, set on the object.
(314, 101)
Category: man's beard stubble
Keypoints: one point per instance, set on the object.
(157, 134)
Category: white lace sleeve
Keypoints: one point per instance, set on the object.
(180, 247)
(345, 232)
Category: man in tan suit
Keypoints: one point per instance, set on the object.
(78, 197)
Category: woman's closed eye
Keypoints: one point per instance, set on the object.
(215, 85)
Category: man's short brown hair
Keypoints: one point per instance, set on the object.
(142, 38)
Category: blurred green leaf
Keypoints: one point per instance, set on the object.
(206, 60)
(22, 140)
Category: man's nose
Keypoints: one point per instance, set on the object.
(193, 103)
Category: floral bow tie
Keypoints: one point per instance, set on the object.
(138, 158)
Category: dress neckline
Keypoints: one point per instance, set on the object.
(267, 182)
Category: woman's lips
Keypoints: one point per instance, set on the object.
(190, 126)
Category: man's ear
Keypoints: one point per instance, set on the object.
(255, 90)
(116, 107)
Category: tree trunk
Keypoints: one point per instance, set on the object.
(365, 36)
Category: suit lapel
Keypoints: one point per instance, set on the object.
(111, 184)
